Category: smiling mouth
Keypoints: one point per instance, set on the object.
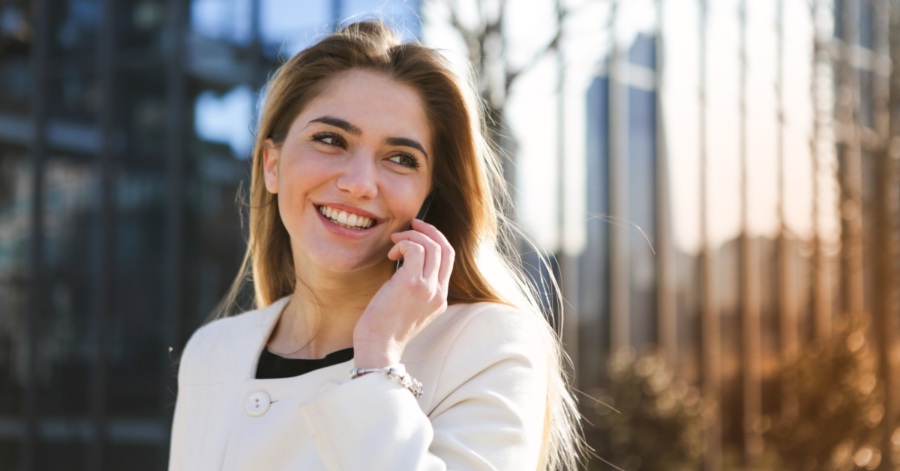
(346, 219)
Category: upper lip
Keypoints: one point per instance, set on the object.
(351, 209)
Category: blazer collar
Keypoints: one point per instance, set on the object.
(269, 316)
(415, 350)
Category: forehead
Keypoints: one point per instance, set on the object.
(378, 105)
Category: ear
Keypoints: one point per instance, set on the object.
(270, 166)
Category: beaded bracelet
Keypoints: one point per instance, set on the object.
(396, 373)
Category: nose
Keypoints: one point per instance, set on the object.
(359, 177)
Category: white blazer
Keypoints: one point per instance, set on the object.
(483, 368)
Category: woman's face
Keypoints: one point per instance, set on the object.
(360, 153)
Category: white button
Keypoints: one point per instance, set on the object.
(329, 386)
(258, 403)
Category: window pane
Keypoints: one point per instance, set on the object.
(134, 457)
(74, 25)
(228, 20)
(141, 24)
(141, 117)
(135, 354)
(64, 341)
(15, 237)
(60, 455)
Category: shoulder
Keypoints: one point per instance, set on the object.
(473, 337)
(499, 330)
(479, 326)
(497, 324)
(493, 351)
(226, 348)
(502, 322)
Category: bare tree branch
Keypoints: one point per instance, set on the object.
(487, 62)
(468, 35)
(513, 74)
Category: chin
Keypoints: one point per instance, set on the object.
(341, 261)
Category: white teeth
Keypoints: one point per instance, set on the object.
(344, 219)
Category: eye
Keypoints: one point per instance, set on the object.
(405, 160)
(329, 138)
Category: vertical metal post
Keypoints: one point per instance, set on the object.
(852, 288)
(258, 73)
(709, 306)
(822, 303)
(174, 203)
(337, 7)
(887, 215)
(750, 302)
(620, 276)
(36, 286)
(786, 286)
(568, 262)
(667, 308)
(106, 210)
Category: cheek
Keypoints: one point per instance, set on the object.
(305, 171)
(402, 197)
(297, 178)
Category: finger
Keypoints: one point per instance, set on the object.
(448, 254)
(413, 256)
(432, 253)
(395, 253)
(431, 256)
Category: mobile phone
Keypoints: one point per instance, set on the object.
(421, 216)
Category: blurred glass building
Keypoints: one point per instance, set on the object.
(636, 185)
(125, 132)
(761, 297)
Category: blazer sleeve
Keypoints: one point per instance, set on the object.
(176, 447)
(488, 411)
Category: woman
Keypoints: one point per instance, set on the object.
(453, 365)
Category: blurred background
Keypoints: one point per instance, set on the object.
(717, 180)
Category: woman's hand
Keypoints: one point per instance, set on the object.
(409, 301)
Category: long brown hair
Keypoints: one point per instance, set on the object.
(469, 196)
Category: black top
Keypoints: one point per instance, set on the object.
(272, 366)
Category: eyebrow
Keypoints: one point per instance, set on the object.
(338, 123)
(346, 126)
(402, 141)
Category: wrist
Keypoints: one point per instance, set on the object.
(396, 373)
(375, 356)
(374, 362)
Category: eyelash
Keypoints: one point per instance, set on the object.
(413, 162)
(339, 141)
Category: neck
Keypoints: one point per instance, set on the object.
(323, 312)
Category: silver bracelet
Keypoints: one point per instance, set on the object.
(397, 373)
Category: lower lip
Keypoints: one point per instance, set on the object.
(341, 230)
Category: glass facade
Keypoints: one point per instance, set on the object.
(125, 132)
(641, 160)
